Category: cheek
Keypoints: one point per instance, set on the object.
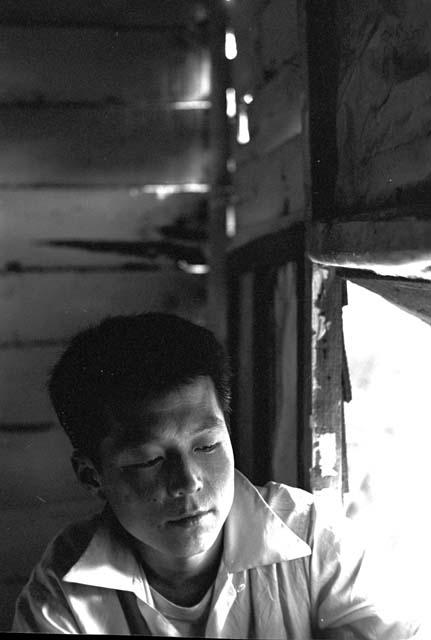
(223, 472)
(125, 489)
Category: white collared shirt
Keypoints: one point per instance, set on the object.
(284, 573)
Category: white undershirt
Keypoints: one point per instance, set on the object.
(189, 621)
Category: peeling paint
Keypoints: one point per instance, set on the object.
(326, 419)
(325, 455)
(320, 324)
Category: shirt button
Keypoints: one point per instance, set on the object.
(240, 588)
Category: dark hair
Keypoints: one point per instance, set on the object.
(144, 355)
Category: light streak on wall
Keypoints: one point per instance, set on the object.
(243, 134)
(230, 102)
(230, 221)
(193, 269)
(230, 47)
(164, 190)
(190, 105)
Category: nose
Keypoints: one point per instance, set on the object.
(184, 478)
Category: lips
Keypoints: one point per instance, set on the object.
(186, 518)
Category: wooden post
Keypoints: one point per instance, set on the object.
(326, 422)
(322, 349)
(219, 145)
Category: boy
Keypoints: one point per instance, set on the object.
(185, 546)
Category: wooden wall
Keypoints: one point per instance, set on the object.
(270, 189)
(271, 66)
(370, 119)
(377, 204)
(383, 110)
(99, 106)
(339, 145)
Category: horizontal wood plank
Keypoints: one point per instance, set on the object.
(51, 307)
(23, 377)
(126, 13)
(49, 64)
(101, 146)
(30, 219)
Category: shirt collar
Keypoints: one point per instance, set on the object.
(108, 562)
(254, 536)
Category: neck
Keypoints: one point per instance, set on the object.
(183, 581)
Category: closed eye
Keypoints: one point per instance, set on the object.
(207, 448)
(144, 465)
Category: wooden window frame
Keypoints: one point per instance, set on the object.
(261, 258)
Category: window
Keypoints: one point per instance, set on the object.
(388, 439)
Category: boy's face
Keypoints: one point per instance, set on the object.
(167, 471)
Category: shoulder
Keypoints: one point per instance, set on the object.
(42, 604)
(67, 546)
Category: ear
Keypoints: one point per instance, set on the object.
(87, 474)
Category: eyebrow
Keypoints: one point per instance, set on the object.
(210, 423)
(129, 445)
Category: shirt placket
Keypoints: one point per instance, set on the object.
(218, 623)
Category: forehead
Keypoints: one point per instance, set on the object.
(188, 407)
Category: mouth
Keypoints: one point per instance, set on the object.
(188, 519)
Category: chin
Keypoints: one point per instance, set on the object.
(186, 546)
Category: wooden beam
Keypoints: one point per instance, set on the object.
(399, 247)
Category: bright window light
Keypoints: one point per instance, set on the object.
(388, 438)
(230, 103)
(230, 221)
(230, 45)
(205, 78)
(248, 98)
(243, 135)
